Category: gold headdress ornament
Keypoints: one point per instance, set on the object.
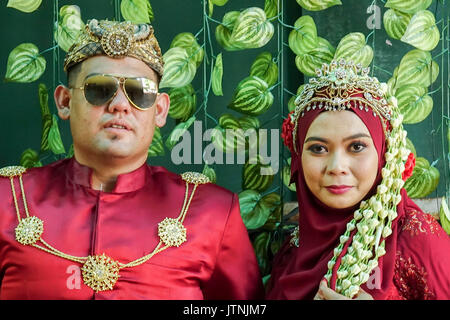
(336, 86)
(340, 86)
(116, 39)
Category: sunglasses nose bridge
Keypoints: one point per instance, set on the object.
(122, 103)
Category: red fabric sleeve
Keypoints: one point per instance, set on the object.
(236, 273)
(423, 258)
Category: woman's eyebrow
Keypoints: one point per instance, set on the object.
(316, 139)
(358, 135)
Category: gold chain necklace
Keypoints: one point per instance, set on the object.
(100, 272)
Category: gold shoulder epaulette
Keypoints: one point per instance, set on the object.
(12, 171)
(195, 178)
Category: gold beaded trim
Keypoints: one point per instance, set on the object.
(12, 171)
(195, 178)
(101, 272)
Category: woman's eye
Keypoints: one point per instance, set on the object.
(357, 147)
(317, 148)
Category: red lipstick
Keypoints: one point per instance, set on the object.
(338, 189)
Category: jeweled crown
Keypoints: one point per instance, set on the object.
(339, 86)
(116, 39)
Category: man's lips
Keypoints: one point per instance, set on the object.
(338, 189)
(117, 124)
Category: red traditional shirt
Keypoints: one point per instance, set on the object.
(217, 260)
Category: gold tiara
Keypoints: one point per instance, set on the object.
(337, 86)
(116, 39)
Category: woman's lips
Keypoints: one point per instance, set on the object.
(338, 189)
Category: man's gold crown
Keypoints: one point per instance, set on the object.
(116, 39)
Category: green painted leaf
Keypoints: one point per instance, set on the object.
(137, 11)
(70, 152)
(178, 132)
(253, 211)
(210, 8)
(25, 64)
(352, 47)
(317, 5)
(249, 122)
(444, 216)
(252, 29)
(408, 6)
(254, 178)
(286, 173)
(271, 8)
(414, 103)
(224, 30)
(291, 102)
(261, 247)
(392, 83)
(395, 22)
(179, 70)
(30, 159)
(264, 68)
(210, 173)
(183, 101)
(422, 31)
(410, 147)
(216, 76)
(188, 41)
(45, 115)
(157, 146)
(307, 63)
(54, 138)
(304, 37)
(68, 27)
(219, 3)
(417, 67)
(252, 97)
(228, 136)
(26, 6)
(423, 181)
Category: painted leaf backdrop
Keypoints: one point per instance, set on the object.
(68, 27)
(26, 6)
(25, 64)
(138, 11)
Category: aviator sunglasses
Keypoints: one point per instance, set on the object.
(101, 88)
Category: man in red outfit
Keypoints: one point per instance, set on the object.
(104, 224)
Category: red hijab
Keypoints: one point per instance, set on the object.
(297, 275)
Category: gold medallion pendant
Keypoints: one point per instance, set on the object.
(29, 230)
(100, 272)
(172, 232)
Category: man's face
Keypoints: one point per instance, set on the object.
(116, 129)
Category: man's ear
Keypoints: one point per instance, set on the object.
(162, 106)
(62, 100)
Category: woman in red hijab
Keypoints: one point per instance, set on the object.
(359, 235)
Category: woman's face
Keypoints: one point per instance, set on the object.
(339, 159)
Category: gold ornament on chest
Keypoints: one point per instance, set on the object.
(100, 272)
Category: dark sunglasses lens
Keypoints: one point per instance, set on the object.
(141, 92)
(100, 89)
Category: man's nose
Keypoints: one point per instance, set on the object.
(120, 102)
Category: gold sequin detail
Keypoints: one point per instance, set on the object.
(171, 232)
(195, 178)
(100, 272)
(12, 171)
(29, 230)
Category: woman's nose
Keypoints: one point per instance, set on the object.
(337, 164)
